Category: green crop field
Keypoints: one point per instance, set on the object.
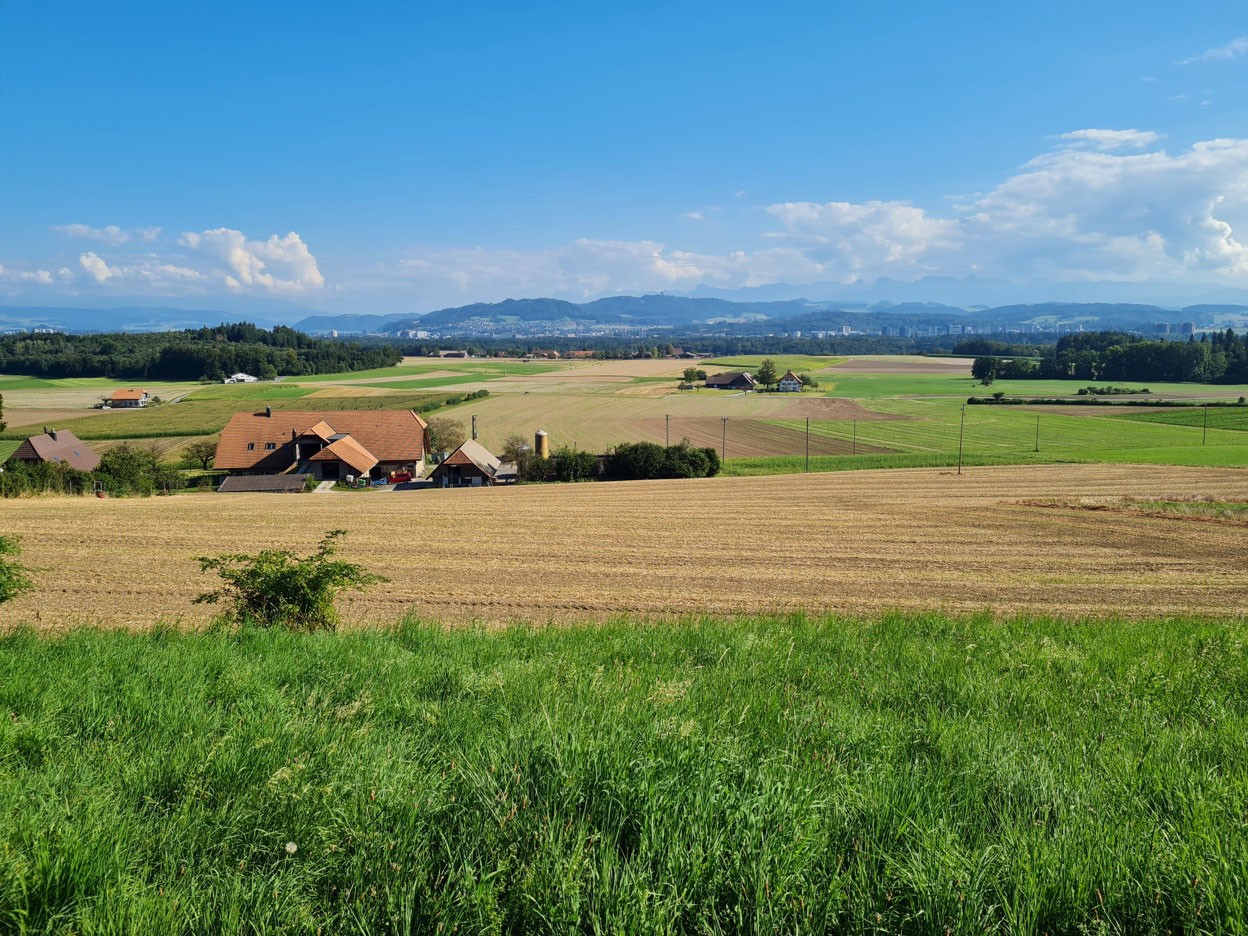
(795, 362)
(921, 774)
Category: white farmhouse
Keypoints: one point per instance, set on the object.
(790, 383)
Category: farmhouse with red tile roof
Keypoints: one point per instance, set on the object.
(330, 446)
(126, 399)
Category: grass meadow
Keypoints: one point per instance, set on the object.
(902, 774)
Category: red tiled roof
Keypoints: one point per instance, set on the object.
(349, 452)
(389, 435)
(129, 394)
(60, 445)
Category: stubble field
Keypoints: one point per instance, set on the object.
(861, 543)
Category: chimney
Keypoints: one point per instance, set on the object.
(268, 412)
(52, 433)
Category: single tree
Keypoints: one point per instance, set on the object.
(984, 369)
(200, 453)
(767, 374)
(446, 434)
(691, 374)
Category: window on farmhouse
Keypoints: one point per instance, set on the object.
(269, 446)
(251, 446)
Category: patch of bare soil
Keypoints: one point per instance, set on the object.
(830, 408)
(902, 365)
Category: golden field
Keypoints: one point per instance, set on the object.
(855, 542)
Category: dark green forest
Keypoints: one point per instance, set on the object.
(1220, 357)
(194, 354)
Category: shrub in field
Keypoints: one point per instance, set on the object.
(276, 588)
(639, 461)
(570, 465)
(13, 576)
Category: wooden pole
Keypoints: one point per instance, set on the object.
(808, 445)
(1204, 433)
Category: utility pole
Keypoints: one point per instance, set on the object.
(667, 435)
(961, 433)
(855, 450)
(1037, 432)
(1204, 433)
(474, 428)
(723, 450)
(808, 445)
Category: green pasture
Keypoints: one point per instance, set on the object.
(1013, 434)
(256, 391)
(859, 386)
(1216, 417)
(918, 774)
(798, 363)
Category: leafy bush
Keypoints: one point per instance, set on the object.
(638, 461)
(571, 465)
(276, 588)
(14, 578)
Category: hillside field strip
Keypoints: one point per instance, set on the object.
(868, 411)
(859, 542)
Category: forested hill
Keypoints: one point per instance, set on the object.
(207, 353)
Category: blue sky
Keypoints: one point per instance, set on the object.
(403, 157)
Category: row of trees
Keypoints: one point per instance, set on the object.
(202, 353)
(1218, 358)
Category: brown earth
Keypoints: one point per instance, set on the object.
(855, 542)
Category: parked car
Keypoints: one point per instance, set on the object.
(400, 477)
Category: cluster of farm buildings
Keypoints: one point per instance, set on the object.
(285, 450)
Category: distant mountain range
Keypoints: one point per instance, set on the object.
(748, 313)
(533, 317)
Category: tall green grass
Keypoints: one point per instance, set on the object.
(908, 774)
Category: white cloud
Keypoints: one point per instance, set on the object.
(38, 277)
(110, 234)
(279, 264)
(1232, 50)
(1112, 139)
(96, 268)
(691, 215)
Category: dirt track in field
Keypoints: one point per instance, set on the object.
(860, 542)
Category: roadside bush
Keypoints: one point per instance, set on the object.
(276, 588)
(14, 578)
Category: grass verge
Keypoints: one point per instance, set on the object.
(917, 774)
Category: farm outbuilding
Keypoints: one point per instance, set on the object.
(472, 465)
(732, 380)
(58, 445)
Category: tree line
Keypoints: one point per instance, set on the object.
(1219, 357)
(193, 354)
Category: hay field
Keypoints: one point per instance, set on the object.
(861, 542)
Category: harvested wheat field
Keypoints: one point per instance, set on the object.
(860, 542)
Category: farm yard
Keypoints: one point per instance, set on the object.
(860, 543)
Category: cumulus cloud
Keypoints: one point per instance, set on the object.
(1112, 139)
(856, 238)
(146, 272)
(278, 264)
(38, 277)
(1232, 50)
(110, 234)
